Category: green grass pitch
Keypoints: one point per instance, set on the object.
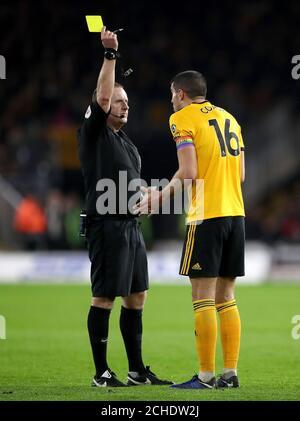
(46, 355)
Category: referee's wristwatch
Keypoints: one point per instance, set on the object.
(111, 54)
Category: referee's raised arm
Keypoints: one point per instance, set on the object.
(106, 79)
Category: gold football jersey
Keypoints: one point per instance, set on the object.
(218, 142)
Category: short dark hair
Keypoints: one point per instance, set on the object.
(191, 82)
(94, 97)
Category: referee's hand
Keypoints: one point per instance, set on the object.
(109, 39)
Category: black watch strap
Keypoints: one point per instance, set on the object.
(111, 54)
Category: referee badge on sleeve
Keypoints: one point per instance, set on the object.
(88, 112)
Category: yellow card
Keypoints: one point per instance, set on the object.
(94, 23)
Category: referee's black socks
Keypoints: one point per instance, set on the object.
(98, 321)
(132, 329)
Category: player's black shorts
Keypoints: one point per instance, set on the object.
(118, 256)
(215, 247)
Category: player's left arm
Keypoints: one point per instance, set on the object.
(243, 170)
(242, 149)
(186, 173)
(187, 166)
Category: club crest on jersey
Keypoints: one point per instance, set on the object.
(88, 112)
(173, 128)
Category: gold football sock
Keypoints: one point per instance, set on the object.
(230, 326)
(206, 333)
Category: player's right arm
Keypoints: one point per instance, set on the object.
(106, 79)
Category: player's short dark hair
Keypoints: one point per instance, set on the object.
(94, 97)
(191, 82)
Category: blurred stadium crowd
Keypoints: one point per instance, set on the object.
(244, 49)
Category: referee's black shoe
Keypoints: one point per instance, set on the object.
(108, 379)
(147, 377)
(223, 383)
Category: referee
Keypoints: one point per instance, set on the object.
(116, 246)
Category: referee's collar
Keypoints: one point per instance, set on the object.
(114, 131)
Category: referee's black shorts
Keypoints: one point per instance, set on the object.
(214, 248)
(118, 257)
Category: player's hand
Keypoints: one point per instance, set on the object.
(150, 202)
(109, 39)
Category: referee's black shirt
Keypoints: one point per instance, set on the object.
(103, 153)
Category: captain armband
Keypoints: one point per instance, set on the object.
(183, 141)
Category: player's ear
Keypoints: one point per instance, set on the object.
(180, 94)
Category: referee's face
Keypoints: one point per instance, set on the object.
(119, 107)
